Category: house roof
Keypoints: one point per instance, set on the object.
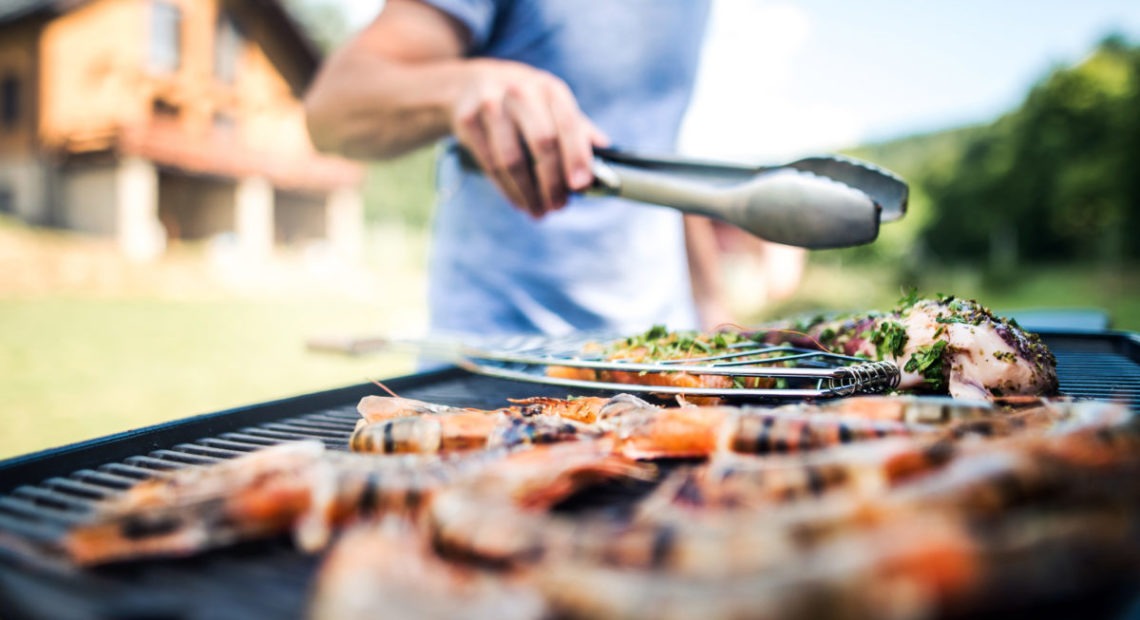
(278, 18)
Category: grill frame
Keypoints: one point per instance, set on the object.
(270, 579)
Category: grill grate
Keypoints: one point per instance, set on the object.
(42, 495)
(799, 373)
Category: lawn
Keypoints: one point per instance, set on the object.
(74, 368)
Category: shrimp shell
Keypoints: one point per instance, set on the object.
(387, 569)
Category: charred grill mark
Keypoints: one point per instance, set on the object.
(369, 494)
(763, 441)
(146, 525)
(816, 482)
(389, 439)
(664, 538)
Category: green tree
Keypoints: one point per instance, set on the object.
(1052, 179)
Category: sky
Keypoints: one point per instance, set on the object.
(784, 78)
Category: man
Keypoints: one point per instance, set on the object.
(529, 87)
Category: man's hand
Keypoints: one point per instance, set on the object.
(405, 81)
(524, 127)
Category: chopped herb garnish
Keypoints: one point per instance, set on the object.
(909, 299)
(927, 361)
(889, 339)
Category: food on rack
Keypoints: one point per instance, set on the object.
(466, 430)
(387, 569)
(872, 506)
(297, 487)
(392, 425)
(942, 345)
(381, 408)
(658, 345)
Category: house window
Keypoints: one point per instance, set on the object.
(161, 109)
(227, 48)
(9, 101)
(165, 36)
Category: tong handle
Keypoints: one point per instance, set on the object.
(884, 187)
(781, 204)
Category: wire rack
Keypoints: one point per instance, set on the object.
(798, 373)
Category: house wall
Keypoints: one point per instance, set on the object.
(22, 173)
(92, 80)
(89, 197)
(100, 94)
(98, 54)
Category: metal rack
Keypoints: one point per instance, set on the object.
(800, 373)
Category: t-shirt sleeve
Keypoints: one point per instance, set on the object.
(477, 16)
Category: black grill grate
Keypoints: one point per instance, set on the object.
(44, 494)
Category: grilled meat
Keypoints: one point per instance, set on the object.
(943, 344)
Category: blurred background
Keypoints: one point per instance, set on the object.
(169, 241)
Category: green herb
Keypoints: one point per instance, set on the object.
(656, 332)
(927, 361)
(1005, 356)
(953, 318)
(889, 338)
(909, 299)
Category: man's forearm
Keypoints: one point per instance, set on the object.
(405, 81)
(369, 107)
(705, 272)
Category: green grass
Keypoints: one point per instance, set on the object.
(73, 369)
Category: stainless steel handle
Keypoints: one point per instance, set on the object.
(781, 205)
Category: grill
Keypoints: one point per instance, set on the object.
(42, 494)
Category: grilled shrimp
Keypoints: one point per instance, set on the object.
(381, 408)
(386, 568)
(691, 432)
(463, 431)
(487, 516)
(295, 487)
(255, 495)
(732, 480)
(917, 566)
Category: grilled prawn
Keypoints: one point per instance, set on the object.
(295, 487)
(387, 568)
(381, 408)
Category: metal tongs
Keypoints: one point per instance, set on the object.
(816, 202)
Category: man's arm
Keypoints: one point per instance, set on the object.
(705, 272)
(403, 82)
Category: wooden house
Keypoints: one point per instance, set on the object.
(154, 121)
